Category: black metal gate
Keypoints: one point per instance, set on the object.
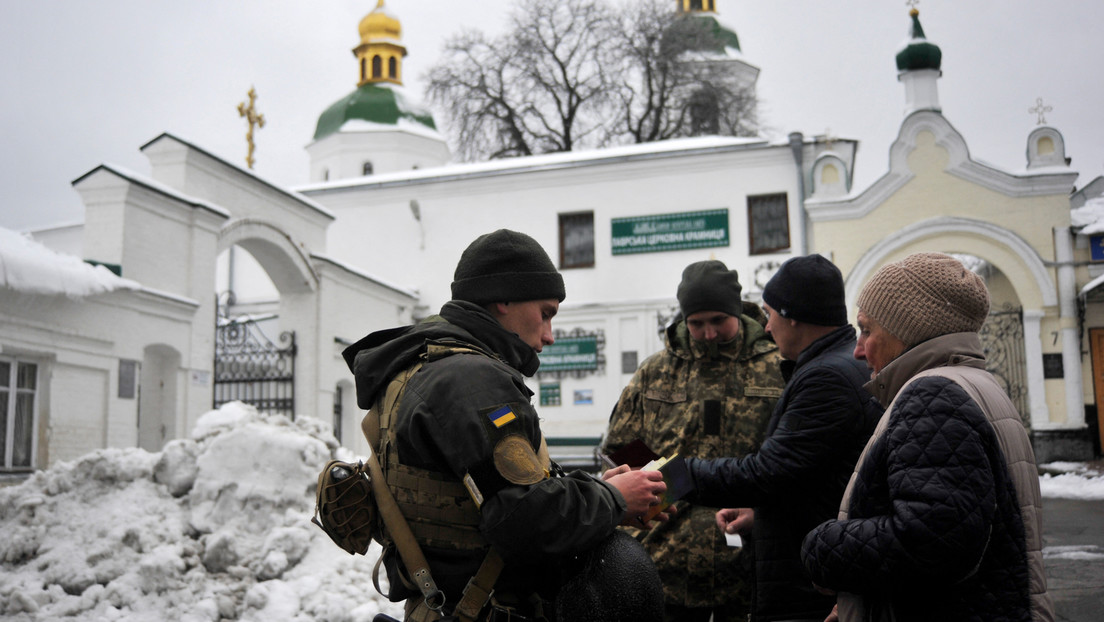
(1002, 338)
(252, 369)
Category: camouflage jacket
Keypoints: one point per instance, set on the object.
(688, 401)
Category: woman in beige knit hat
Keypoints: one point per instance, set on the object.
(942, 519)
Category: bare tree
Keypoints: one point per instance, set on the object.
(674, 78)
(569, 74)
(539, 88)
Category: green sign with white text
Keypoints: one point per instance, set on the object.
(669, 232)
(569, 354)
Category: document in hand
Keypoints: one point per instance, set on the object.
(677, 478)
(634, 453)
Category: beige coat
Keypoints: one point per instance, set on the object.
(958, 357)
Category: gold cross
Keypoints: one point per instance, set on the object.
(250, 114)
(1040, 108)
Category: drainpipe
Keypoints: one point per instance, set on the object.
(797, 146)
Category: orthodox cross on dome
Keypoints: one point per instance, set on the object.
(1040, 109)
(912, 4)
(250, 114)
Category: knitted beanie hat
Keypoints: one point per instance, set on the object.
(924, 296)
(506, 266)
(709, 286)
(808, 289)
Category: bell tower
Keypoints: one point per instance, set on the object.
(380, 53)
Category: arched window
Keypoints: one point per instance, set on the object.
(705, 112)
(367, 168)
(363, 69)
(392, 68)
(377, 67)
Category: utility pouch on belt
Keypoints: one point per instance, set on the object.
(344, 506)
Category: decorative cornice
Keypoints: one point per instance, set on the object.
(1055, 180)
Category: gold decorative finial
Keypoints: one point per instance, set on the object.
(250, 114)
(912, 3)
(1040, 108)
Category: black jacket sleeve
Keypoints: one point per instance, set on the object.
(820, 418)
(554, 517)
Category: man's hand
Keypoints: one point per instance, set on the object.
(641, 490)
(736, 520)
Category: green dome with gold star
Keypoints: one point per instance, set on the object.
(918, 53)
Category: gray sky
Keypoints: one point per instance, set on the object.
(90, 82)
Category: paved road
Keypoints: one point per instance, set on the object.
(1073, 551)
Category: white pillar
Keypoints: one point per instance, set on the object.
(1071, 331)
(921, 89)
(1033, 357)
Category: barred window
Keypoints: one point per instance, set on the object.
(577, 240)
(768, 223)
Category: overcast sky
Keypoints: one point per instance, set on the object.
(90, 82)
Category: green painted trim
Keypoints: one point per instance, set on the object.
(115, 268)
(568, 441)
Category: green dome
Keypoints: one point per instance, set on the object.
(919, 53)
(374, 103)
(724, 36)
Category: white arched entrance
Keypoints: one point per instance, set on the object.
(1026, 272)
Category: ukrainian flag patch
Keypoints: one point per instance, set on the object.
(502, 416)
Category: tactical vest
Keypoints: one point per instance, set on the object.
(437, 506)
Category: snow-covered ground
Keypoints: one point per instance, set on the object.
(1072, 480)
(214, 527)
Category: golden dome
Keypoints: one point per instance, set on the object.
(379, 25)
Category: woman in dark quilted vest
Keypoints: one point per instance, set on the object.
(942, 518)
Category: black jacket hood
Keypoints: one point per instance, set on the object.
(378, 357)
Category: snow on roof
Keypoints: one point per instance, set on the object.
(28, 266)
(412, 127)
(1089, 218)
(546, 160)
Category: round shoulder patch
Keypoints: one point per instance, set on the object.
(517, 462)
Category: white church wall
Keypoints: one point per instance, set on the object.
(378, 230)
(342, 155)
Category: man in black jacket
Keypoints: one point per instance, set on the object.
(462, 448)
(816, 433)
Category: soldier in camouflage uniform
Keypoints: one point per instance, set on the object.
(709, 394)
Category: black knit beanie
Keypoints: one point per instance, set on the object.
(709, 286)
(506, 266)
(808, 289)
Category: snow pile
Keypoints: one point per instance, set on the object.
(216, 527)
(27, 266)
(1073, 480)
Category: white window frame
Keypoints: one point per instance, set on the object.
(9, 409)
